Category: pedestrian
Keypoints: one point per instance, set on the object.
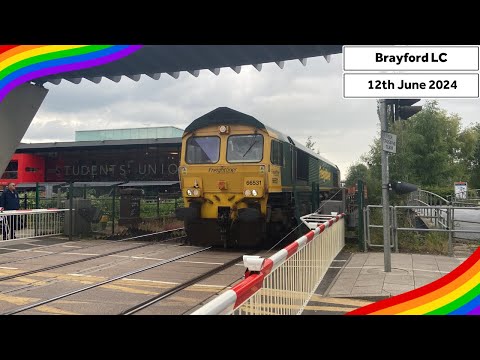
(10, 201)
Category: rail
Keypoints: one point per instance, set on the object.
(26, 224)
(284, 283)
(437, 218)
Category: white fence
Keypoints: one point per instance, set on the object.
(26, 224)
(285, 282)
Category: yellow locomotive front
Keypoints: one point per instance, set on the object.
(223, 179)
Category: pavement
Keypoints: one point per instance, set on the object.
(356, 280)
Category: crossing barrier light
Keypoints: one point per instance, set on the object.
(402, 187)
(253, 262)
(403, 109)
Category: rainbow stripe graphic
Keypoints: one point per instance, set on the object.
(456, 293)
(22, 63)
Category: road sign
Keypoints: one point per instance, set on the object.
(461, 190)
(389, 142)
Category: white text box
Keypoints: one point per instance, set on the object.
(410, 85)
(410, 58)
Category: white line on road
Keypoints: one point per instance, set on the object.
(84, 254)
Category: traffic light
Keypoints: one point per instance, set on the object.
(404, 108)
(401, 187)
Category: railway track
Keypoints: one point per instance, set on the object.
(91, 246)
(30, 272)
(144, 304)
(113, 279)
(134, 309)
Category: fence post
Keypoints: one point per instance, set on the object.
(450, 222)
(394, 229)
(84, 191)
(113, 210)
(70, 200)
(158, 205)
(59, 192)
(37, 197)
(361, 240)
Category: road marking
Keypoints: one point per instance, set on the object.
(82, 275)
(137, 257)
(152, 281)
(180, 261)
(17, 300)
(83, 254)
(176, 283)
(54, 310)
(129, 289)
(8, 268)
(72, 246)
(201, 262)
(43, 251)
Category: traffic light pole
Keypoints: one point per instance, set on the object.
(385, 181)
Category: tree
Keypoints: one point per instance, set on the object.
(356, 172)
(311, 145)
(475, 161)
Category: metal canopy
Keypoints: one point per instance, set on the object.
(21, 104)
(153, 60)
(71, 145)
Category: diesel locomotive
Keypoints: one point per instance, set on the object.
(245, 184)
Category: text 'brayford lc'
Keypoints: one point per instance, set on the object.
(408, 58)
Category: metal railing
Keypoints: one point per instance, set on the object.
(437, 219)
(424, 197)
(26, 224)
(285, 282)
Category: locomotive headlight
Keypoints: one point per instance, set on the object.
(223, 129)
(247, 192)
(196, 192)
(254, 192)
(189, 192)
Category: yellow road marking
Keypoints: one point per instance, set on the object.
(54, 310)
(128, 289)
(17, 300)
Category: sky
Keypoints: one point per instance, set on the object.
(300, 101)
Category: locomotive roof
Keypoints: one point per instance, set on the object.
(225, 115)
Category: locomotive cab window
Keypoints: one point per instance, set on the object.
(203, 150)
(276, 153)
(245, 148)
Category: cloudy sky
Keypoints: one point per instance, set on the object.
(297, 100)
